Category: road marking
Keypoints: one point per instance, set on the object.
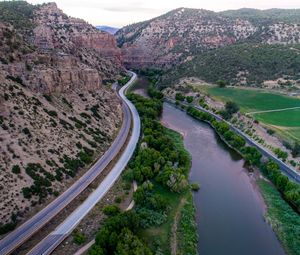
(276, 110)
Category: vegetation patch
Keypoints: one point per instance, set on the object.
(287, 122)
(160, 166)
(17, 13)
(282, 218)
(257, 63)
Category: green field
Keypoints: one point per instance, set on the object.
(287, 123)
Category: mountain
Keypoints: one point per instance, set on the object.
(179, 35)
(110, 30)
(56, 114)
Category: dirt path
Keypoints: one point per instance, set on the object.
(276, 110)
(173, 239)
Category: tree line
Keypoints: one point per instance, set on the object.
(289, 189)
(157, 164)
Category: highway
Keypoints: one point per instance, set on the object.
(14, 239)
(287, 170)
(48, 244)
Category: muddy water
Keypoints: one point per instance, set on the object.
(228, 205)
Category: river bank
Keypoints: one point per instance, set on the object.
(229, 206)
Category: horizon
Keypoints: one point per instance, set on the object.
(119, 14)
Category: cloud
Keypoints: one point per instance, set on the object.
(123, 12)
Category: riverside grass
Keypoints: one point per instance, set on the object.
(283, 219)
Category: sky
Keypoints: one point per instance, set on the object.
(118, 13)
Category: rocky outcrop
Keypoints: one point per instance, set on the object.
(63, 53)
(56, 114)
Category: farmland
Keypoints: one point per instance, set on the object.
(286, 123)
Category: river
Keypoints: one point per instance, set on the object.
(229, 207)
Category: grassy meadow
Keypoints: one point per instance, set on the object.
(286, 123)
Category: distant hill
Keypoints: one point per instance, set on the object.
(270, 15)
(245, 46)
(244, 64)
(111, 30)
(179, 35)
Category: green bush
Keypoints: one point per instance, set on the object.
(195, 186)
(118, 200)
(111, 210)
(118, 235)
(78, 237)
(16, 169)
(179, 97)
(189, 99)
(280, 154)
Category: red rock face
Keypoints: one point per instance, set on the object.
(103, 43)
(69, 54)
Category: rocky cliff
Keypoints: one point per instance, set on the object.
(179, 35)
(56, 114)
(62, 52)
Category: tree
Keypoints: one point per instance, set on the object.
(111, 210)
(251, 155)
(296, 150)
(231, 107)
(179, 97)
(130, 244)
(221, 83)
(281, 154)
(189, 99)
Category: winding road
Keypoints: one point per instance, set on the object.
(14, 239)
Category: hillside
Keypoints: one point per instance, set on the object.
(243, 64)
(57, 116)
(267, 16)
(180, 35)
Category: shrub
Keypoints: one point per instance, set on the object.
(195, 186)
(48, 97)
(16, 169)
(270, 131)
(26, 131)
(51, 113)
(280, 154)
(111, 210)
(78, 237)
(118, 200)
(189, 99)
(179, 97)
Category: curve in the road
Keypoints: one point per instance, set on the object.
(27, 229)
(47, 245)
